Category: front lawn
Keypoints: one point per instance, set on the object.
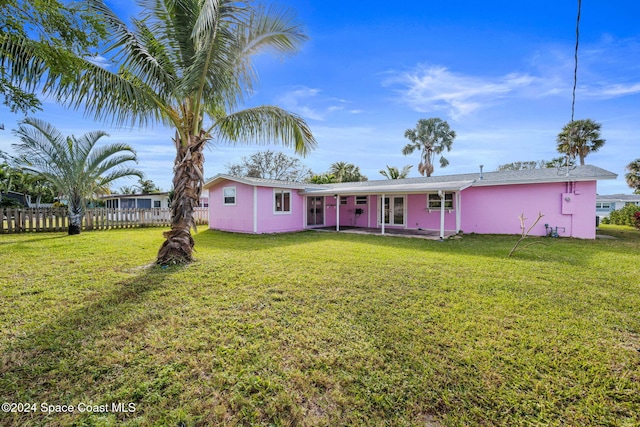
(319, 329)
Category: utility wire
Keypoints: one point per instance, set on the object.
(575, 69)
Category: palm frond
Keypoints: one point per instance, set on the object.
(264, 125)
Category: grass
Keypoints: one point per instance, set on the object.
(319, 329)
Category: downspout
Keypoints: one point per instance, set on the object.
(458, 211)
(441, 194)
(337, 212)
(382, 212)
(255, 210)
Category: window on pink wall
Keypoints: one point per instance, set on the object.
(434, 201)
(282, 201)
(229, 194)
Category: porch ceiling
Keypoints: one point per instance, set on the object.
(389, 188)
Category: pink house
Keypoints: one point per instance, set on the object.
(485, 203)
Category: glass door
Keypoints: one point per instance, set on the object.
(315, 210)
(394, 210)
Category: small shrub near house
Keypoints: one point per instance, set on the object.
(629, 215)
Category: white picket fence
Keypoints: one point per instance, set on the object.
(56, 219)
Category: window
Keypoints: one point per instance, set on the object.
(127, 203)
(433, 201)
(281, 201)
(157, 203)
(603, 205)
(361, 200)
(144, 203)
(343, 200)
(229, 194)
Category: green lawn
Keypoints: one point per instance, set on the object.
(321, 329)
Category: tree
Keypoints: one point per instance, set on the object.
(392, 172)
(76, 167)
(561, 162)
(325, 178)
(529, 164)
(270, 165)
(146, 186)
(580, 138)
(346, 172)
(633, 176)
(431, 136)
(52, 33)
(187, 64)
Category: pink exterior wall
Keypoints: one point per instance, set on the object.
(495, 209)
(272, 222)
(484, 210)
(240, 218)
(421, 217)
(237, 218)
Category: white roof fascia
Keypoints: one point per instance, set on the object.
(391, 188)
(560, 178)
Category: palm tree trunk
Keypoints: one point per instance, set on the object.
(187, 183)
(76, 212)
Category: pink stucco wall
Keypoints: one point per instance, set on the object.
(272, 222)
(483, 210)
(495, 209)
(239, 218)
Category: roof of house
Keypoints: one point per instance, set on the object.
(619, 197)
(130, 196)
(456, 182)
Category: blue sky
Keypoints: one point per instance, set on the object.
(500, 72)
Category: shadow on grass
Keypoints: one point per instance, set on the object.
(35, 239)
(53, 361)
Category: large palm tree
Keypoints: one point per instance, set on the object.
(580, 138)
(78, 168)
(431, 136)
(188, 65)
(633, 176)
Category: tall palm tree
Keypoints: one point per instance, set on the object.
(77, 167)
(187, 64)
(580, 138)
(633, 177)
(432, 137)
(392, 172)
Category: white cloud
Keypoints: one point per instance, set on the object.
(436, 88)
(310, 103)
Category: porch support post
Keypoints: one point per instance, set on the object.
(458, 208)
(382, 211)
(441, 194)
(305, 209)
(338, 212)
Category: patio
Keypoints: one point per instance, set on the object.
(396, 232)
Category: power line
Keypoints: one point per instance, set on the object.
(575, 69)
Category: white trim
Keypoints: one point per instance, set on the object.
(458, 211)
(282, 191)
(255, 210)
(235, 196)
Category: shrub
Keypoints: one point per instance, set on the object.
(625, 216)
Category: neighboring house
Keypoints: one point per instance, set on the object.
(137, 201)
(23, 199)
(486, 203)
(614, 202)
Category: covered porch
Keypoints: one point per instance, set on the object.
(397, 232)
(425, 210)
